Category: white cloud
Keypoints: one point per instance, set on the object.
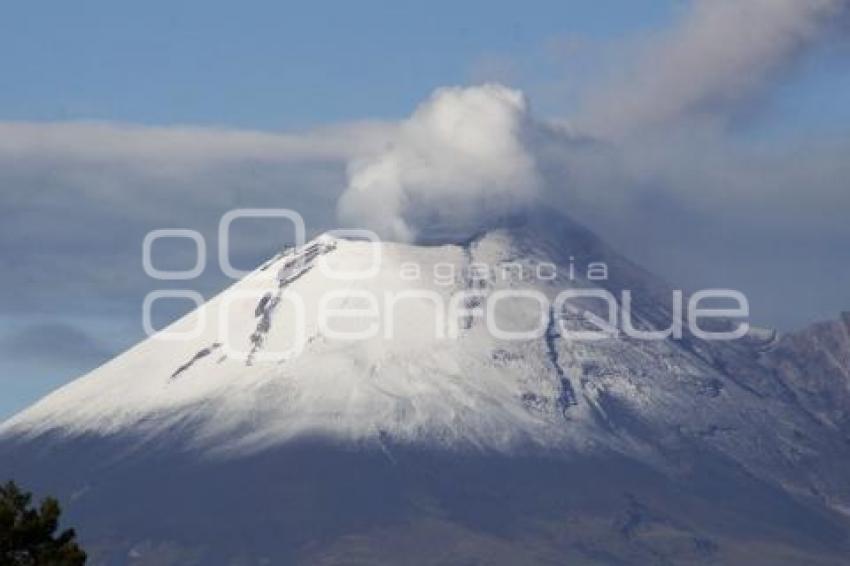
(462, 159)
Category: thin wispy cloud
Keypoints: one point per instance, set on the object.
(719, 55)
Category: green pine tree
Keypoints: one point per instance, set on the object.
(28, 534)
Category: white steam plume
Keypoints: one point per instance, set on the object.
(460, 160)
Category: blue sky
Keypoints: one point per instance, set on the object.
(71, 222)
(271, 65)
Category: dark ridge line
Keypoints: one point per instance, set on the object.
(198, 355)
(567, 397)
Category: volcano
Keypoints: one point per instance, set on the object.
(248, 432)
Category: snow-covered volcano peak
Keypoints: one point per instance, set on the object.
(258, 351)
(256, 365)
(368, 342)
(405, 353)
